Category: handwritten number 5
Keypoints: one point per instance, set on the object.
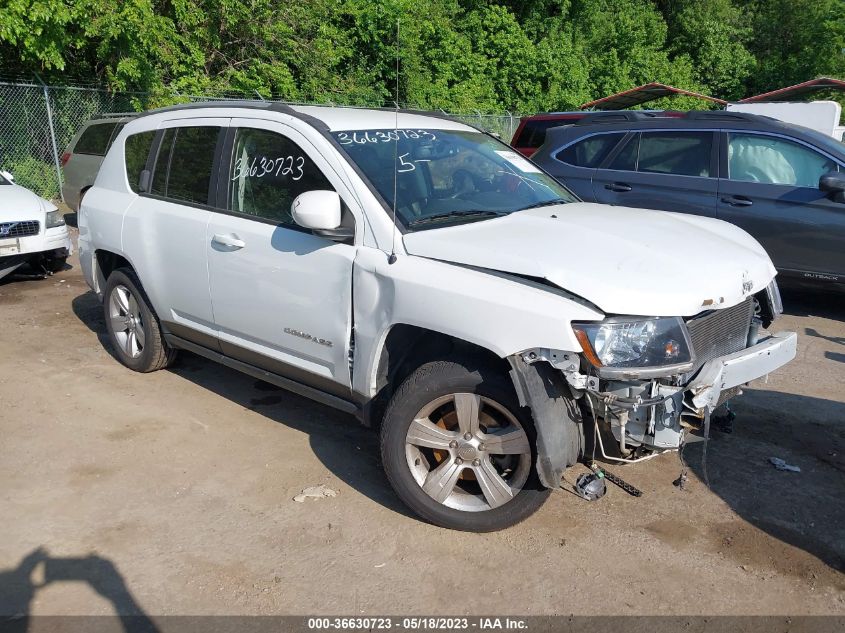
(408, 166)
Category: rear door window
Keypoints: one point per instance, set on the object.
(675, 153)
(95, 139)
(591, 151)
(626, 159)
(185, 164)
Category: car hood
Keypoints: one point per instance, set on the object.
(623, 260)
(18, 203)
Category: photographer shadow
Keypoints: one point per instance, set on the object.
(18, 588)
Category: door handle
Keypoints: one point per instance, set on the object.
(229, 241)
(737, 201)
(619, 187)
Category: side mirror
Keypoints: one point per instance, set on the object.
(832, 182)
(7, 175)
(320, 211)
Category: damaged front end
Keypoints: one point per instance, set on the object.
(646, 382)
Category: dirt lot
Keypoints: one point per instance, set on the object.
(171, 493)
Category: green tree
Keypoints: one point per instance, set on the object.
(795, 40)
(714, 34)
(458, 55)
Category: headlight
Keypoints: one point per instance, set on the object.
(54, 219)
(769, 304)
(773, 295)
(621, 347)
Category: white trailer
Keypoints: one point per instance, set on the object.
(823, 116)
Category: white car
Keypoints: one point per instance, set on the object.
(417, 272)
(32, 230)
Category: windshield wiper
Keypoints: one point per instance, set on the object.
(465, 213)
(546, 203)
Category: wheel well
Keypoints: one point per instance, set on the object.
(107, 263)
(406, 348)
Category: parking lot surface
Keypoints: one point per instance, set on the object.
(172, 493)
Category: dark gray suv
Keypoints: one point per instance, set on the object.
(783, 183)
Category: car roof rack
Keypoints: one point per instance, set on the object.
(721, 115)
(114, 115)
(617, 116)
(279, 106)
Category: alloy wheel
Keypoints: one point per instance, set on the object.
(468, 452)
(126, 321)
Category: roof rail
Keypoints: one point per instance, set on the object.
(617, 116)
(720, 115)
(195, 105)
(278, 106)
(114, 115)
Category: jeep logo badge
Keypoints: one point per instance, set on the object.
(747, 284)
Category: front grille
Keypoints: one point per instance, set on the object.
(720, 332)
(24, 228)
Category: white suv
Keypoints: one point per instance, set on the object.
(419, 273)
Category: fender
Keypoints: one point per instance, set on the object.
(499, 314)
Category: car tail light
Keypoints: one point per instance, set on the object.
(65, 158)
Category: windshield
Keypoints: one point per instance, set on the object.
(448, 176)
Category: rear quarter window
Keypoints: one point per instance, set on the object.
(95, 139)
(591, 151)
(137, 148)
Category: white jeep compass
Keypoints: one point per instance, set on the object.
(422, 275)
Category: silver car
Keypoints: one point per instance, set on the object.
(81, 161)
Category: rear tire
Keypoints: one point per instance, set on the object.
(132, 325)
(458, 449)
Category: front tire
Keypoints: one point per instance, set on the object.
(56, 264)
(132, 325)
(458, 449)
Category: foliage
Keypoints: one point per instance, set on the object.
(460, 55)
(36, 175)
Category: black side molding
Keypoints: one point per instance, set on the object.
(256, 372)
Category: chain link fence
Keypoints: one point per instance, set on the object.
(37, 122)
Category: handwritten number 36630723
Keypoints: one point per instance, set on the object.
(260, 166)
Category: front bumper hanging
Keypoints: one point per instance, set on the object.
(740, 367)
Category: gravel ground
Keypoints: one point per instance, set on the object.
(172, 493)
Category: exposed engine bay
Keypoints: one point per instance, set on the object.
(643, 418)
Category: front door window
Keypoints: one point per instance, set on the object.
(267, 173)
(775, 161)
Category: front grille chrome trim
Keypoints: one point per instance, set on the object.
(22, 228)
